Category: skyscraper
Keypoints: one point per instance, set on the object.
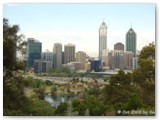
(81, 57)
(102, 41)
(69, 53)
(57, 50)
(34, 49)
(131, 41)
(47, 56)
(119, 59)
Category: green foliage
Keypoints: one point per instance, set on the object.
(119, 88)
(40, 93)
(63, 72)
(144, 76)
(87, 112)
(68, 90)
(11, 43)
(40, 108)
(134, 102)
(19, 65)
(121, 79)
(60, 70)
(75, 103)
(34, 83)
(49, 82)
(81, 109)
(94, 91)
(61, 109)
(69, 111)
(94, 106)
(53, 90)
(15, 103)
(13, 98)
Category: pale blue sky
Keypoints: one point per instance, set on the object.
(79, 23)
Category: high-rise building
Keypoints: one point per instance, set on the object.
(37, 66)
(131, 41)
(119, 46)
(96, 65)
(47, 56)
(74, 66)
(120, 60)
(42, 66)
(46, 65)
(69, 53)
(105, 58)
(57, 50)
(135, 63)
(81, 57)
(34, 49)
(102, 40)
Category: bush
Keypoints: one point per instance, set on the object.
(49, 82)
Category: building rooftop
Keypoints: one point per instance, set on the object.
(33, 40)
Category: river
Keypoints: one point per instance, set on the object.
(58, 99)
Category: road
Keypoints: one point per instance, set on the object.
(65, 80)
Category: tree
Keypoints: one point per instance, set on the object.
(11, 43)
(68, 90)
(117, 92)
(40, 93)
(54, 90)
(61, 109)
(70, 111)
(48, 82)
(87, 112)
(144, 76)
(134, 102)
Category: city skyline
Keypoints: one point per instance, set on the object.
(69, 23)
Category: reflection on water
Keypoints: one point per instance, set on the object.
(59, 98)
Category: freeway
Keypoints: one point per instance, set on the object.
(66, 80)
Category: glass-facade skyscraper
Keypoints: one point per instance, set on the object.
(34, 49)
(131, 41)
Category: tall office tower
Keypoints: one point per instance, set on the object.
(57, 50)
(105, 58)
(69, 53)
(47, 56)
(81, 57)
(119, 46)
(120, 60)
(131, 41)
(34, 49)
(102, 41)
